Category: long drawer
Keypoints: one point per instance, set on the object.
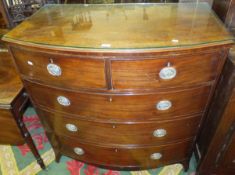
(154, 106)
(165, 72)
(148, 133)
(126, 156)
(60, 70)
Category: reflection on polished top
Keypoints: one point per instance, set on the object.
(122, 26)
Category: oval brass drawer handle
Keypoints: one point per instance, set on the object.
(79, 151)
(163, 105)
(156, 156)
(159, 133)
(71, 127)
(63, 101)
(54, 69)
(167, 73)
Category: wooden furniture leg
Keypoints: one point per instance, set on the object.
(18, 111)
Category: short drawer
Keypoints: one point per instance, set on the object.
(164, 105)
(126, 156)
(60, 70)
(165, 72)
(148, 133)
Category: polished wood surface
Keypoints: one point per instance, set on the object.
(117, 72)
(122, 108)
(76, 72)
(145, 73)
(121, 26)
(10, 83)
(113, 107)
(127, 157)
(105, 79)
(10, 133)
(131, 133)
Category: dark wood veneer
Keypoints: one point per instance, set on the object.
(122, 107)
(127, 157)
(117, 88)
(11, 133)
(122, 133)
(76, 73)
(144, 74)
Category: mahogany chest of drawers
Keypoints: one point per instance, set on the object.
(121, 86)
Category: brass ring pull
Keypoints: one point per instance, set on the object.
(159, 133)
(71, 127)
(79, 151)
(54, 69)
(63, 101)
(163, 105)
(168, 72)
(156, 156)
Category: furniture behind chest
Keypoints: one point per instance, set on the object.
(14, 11)
(13, 102)
(225, 9)
(216, 142)
(121, 86)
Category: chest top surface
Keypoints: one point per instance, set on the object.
(121, 26)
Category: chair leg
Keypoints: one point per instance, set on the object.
(29, 141)
(18, 110)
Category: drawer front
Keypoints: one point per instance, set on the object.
(126, 157)
(10, 133)
(120, 133)
(165, 72)
(123, 107)
(62, 71)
